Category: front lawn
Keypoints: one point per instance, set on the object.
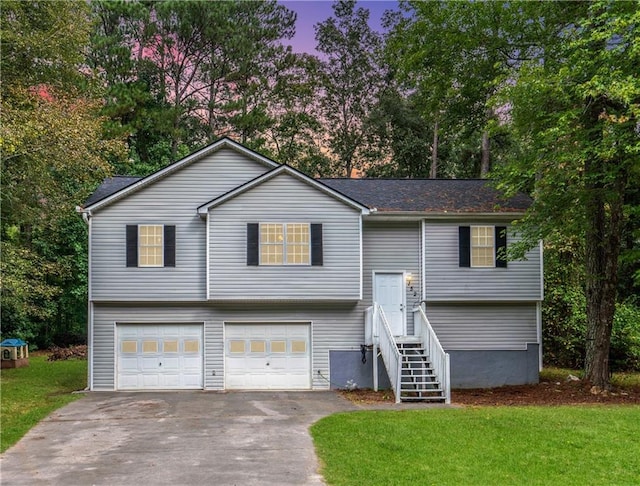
(30, 394)
(482, 446)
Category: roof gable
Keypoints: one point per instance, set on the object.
(119, 187)
(283, 169)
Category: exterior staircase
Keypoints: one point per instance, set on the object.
(418, 379)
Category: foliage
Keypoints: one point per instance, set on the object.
(349, 80)
(448, 56)
(576, 445)
(30, 394)
(399, 137)
(54, 151)
(181, 74)
(577, 114)
(625, 337)
(565, 319)
(40, 43)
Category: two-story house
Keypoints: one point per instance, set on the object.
(226, 270)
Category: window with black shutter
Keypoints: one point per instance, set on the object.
(482, 246)
(150, 245)
(284, 244)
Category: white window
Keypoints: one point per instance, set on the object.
(150, 245)
(285, 244)
(482, 246)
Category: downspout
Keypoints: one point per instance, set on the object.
(86, 216)
(207, 256)
(423, 263)
(539, 308)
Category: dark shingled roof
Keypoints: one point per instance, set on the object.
(413, 195)
(109, 186)
(428, 195)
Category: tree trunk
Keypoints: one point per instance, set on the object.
(600, 294)
(433, 171)
(485, 164)
(604, 217)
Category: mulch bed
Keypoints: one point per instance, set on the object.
(544, 393)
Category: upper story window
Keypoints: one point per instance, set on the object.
(151, 245)
(285, 244)
(482, 246)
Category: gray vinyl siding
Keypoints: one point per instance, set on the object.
(284, 199)
(338, 326)
(172, 201)
(484, 326)
(106, 318)
(446, 281)
(392, 247)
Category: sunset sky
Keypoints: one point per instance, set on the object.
(310, 12)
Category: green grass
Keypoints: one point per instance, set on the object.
(482, 446)
(621, 379)
(30, 394)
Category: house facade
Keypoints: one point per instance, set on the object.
(226, 270)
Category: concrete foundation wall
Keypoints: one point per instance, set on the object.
(469, 369)
(347, 366)
(487, 369)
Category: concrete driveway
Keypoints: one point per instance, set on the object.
(176, 438)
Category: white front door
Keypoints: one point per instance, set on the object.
(267, 356)
(388, 291)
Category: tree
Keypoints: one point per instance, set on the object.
(350, 77)
(258, 59)
(578, 115)
(53, 154)
(400, 137)
(448, 55)
(295, 138)
(180, 74)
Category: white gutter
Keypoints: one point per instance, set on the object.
(420, 215)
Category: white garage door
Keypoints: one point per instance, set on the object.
(267, 356)
(162, 356)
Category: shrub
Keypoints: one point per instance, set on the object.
(564, 331)
(625, 338)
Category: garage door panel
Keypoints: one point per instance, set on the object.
(170, 364)
(267, 356)
(149, 363)
(167, 356)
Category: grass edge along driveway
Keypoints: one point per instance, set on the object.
(27, 395)
(482, 445)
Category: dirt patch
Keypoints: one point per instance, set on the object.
(544, 393)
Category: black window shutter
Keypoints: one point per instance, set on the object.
(169, 246)
(132, 245)
(316, 245)
(253, 246)
(464, 246)
(501, 246)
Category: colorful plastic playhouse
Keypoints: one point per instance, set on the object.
(14, 353)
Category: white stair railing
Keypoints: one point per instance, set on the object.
(430, 342)
(383, 339)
